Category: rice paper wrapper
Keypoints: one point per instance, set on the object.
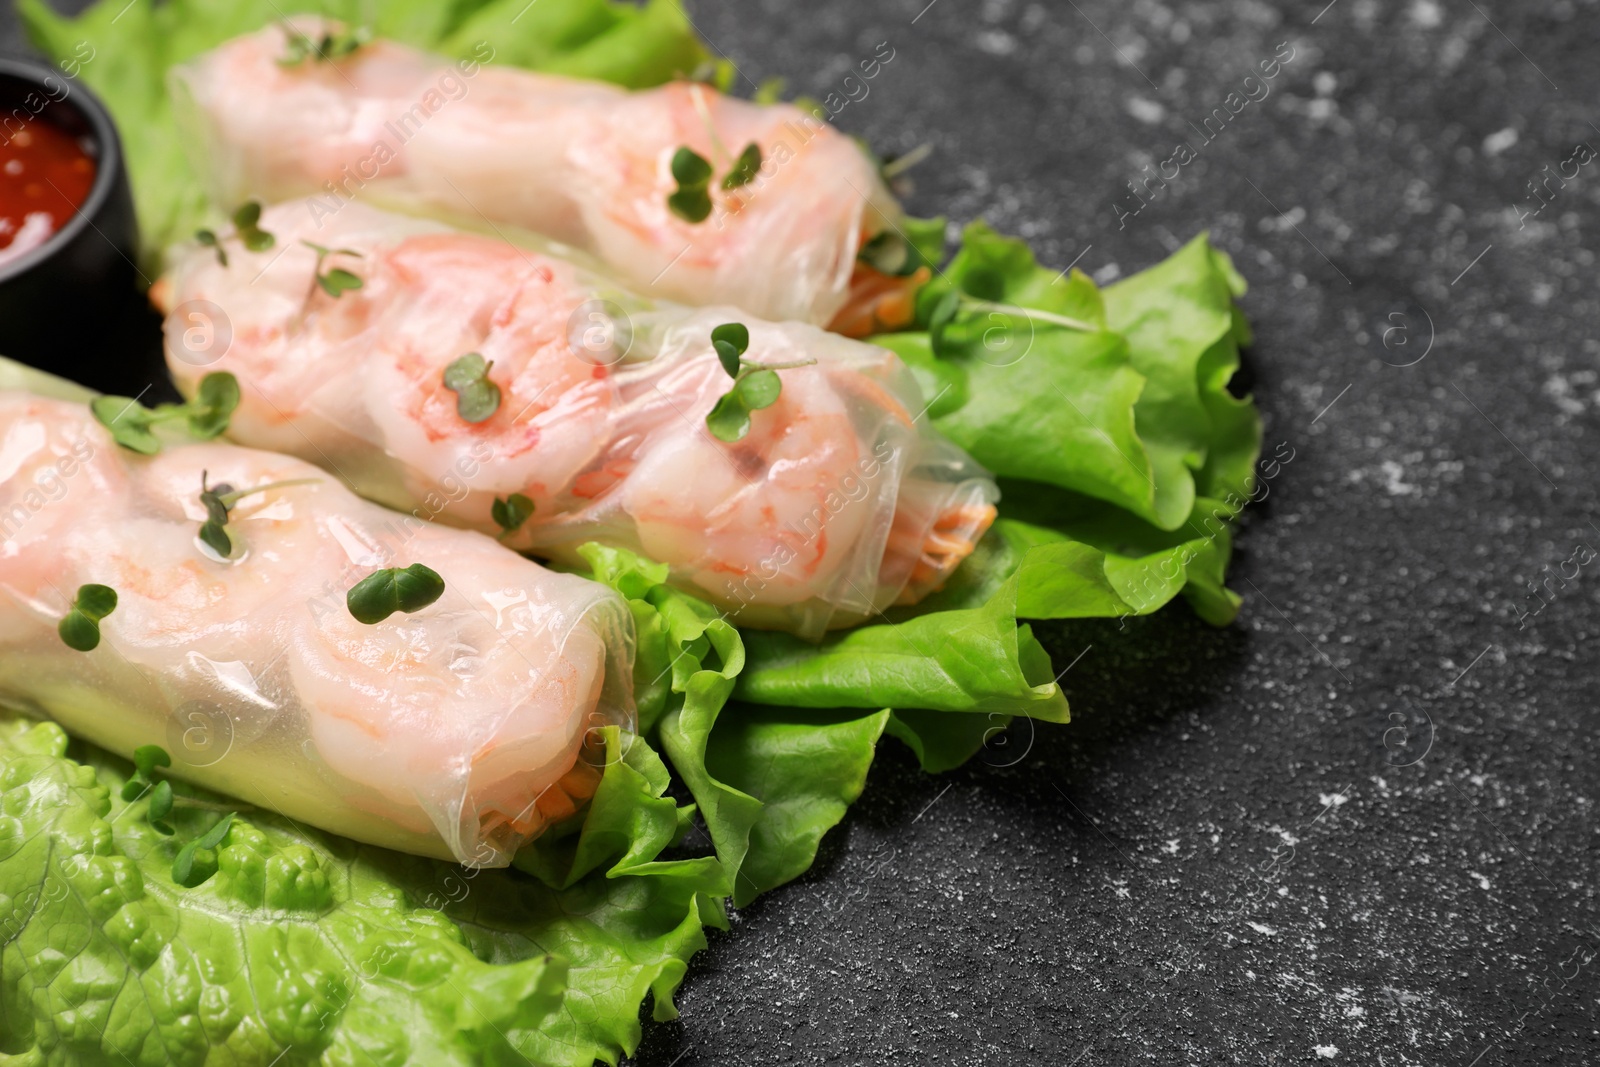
(839, 502)
(455, 731)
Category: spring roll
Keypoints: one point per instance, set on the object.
(454, 729)
(584, 163)
(837, 502)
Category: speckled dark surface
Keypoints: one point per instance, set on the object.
(1359, 825)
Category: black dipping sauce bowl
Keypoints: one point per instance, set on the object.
(74, 306)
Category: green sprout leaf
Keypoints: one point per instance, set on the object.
(736, 334)
(759, 389)
(729, 420)
(209, 239)
(80, 627)
(216, 538)
(477, 398)
(246, 220)
(690, 168)
(691, 200)
(509, 514)
(146, 758)
(129, 423)
(96, 601)
(193, 864)
(745, 167)
(299, 47)
(218, 833)
(160, 807)
(161, 800)
(728, 356)
(79, 632)
(213, 405)
(690, 205)
(336, 281)
(211, 497)
(219, 500)
(755, 385)
(384, 592)
(132, 425)
(247, 224)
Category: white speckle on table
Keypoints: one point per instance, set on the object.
(1427, 14)
(1331, 800)
(1171, 847)
(1483, 883)
(996, 42)
(1261, 928)
(1284, 222)
(1392, 476)
(1327, 1052)
(1147, 111)
(1499, 141)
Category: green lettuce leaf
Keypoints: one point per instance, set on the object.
(123, 49)
(1134, 412)
(944, 742)
(959, 660)
(1184, 335)
(768, 782)
(806, 767)
(304, 947)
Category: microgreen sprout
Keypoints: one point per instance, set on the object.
(509, 514)
(384, 592)
(219, 500)
(755, 385)
(895, 166)
(80, 626)
(196, 860)
(691, 200)
(745, 167)
(477, 398)
(132, 425)
(336, 280)
(246, 227)
(328, 47)
(146, 758)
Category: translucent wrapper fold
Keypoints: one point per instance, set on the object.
(839, 502)
(456, 731)
(583, 163)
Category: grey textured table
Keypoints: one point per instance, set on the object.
(1359, 825)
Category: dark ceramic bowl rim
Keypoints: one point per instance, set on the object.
(107, 164)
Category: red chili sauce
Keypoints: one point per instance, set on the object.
(45, 175)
